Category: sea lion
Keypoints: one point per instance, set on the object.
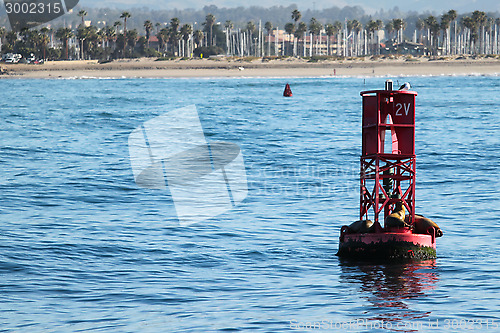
(422, 224)
(397, 218)
(361, 227)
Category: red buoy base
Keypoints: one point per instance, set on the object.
(387, 244)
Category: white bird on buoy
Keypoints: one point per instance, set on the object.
(405, 86)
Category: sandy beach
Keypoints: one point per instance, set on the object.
(251, 67)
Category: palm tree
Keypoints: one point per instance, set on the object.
(174, 23)
(296, 15)
(198, 37)
(132, 39)
(452, 15)
(93, 39)
(64, 34)
(174, 34)
(148, 26)
(269, 27)
(434, 28)
(299, 32)
(110, 34)
(389, 28)
(444, 25)
(399, 25)
(251, 29)
(186, 31)
(301, 28)
(3, 31)
(468, 23)
(82, 13)
(314, 28)
(480, 20)
(125, 16)
(330, 31)
(356, 27)
(290, 29)
(163, 37)
(228, 25)
(420, 25)
(116, 25)
(82, 34)
(11, 38)
(338, 28)
(209, 23)
(371, 27)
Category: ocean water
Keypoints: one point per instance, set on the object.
(84, 249)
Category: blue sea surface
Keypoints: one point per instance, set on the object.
(84, 249)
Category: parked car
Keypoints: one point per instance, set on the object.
(11, 58)
(31, 58)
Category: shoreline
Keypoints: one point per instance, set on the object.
(288, 67)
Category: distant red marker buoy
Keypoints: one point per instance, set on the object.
(288, 91)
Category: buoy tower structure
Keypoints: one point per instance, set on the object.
(387, 179)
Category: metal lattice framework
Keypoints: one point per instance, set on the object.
(387, 178)
(376, 169)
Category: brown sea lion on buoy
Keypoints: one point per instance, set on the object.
(397, 218)
(422, 224)
(361, 227)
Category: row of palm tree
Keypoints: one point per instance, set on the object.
(108, 41)
(447, 35)
(473, 34)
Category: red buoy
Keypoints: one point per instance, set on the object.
(288, 91)
(387, 180)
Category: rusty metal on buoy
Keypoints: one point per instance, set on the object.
(288, 91)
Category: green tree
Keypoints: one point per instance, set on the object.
(142, 42)
(148, 26)
(11, 37)
(371, 27)
(389, 28)
(209, 24)
(64, 34)
(163, 38)
(110, 34)
(132, 40)
(228, 25)
(301, 28)
(186, 31)
(480, 19)
(330, 31)
(125, 16)
(3, 32)
(314, 28)
(432, 24)
(116, 25)
(399, 24)
(82, 13)
(420, 25)
(198, 37)
(44, 41)
(174, 34)
(82, 34)
(289, 29)
(296, 16)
